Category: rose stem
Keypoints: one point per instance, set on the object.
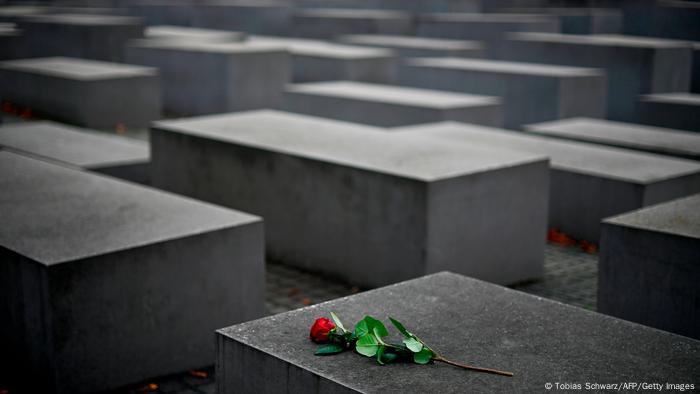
(487, 370)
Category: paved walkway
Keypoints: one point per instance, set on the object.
(571, 276)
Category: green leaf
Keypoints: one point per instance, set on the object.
(361, 329)
(388, 357)
(400, 327)
(331, 348)
(338, 323)
(373, 323)
(413, 344)
(423, 357)
(367, 345)
(380, 353)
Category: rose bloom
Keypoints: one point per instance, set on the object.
(320, 330)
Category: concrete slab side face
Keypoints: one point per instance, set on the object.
(530, 336)
(99, 269)
(649, 266)
(673, 110)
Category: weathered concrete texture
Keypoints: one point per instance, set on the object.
(122, 157)
(634, 65)
(390, 106)
(11, 42)
(181, 33)
(673, 110)
(489, 28)
(203, 78)
(361, 204)
(105, 283)
(465, 320)
(100, 37)
(330, 23)
(677, 143)
(84, 92)
(252, 16)
(588, 182)
(404, 5)
(406, 46)
(530, 92)
(315, 60)
(649, 270)
(585, 20)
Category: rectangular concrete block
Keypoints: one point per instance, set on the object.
(695, 71)
(100, 37)
(588, 182)
(255, 17)
(117, 156)
(358, 203)
(17, 12)
(330, 22)
(465, 320)
(634, 65)
(649, 269)
(670, 142)
(403, 5)
(315, 60)
(530, 92)
(163, 12)
(406, 46)
(182, 33)
(580, 20)
(104, 283)
(88, 93)
(203, 78)
(11, 42)
(489, 28)
(673, 110)
(390, 106)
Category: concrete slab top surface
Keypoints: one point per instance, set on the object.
(19, 10)
(347, 144)
(622, 134)
(186, 45)
(673, 98)
(339, 13)
(78, 69)
(71, 145)
(504, 67)
(578, 157)
(486, 18)
(599, 40)
(477, 323)
(177, 32)
(392, 94)
(54, 214)
(86, 19)
(322, 49)
(678, 217)
(411, 42)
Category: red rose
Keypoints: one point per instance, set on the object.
(320, 330)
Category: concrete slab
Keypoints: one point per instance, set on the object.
(15, 13)
(579, 20)
(95, 271)
(695, 72)
(11, 42)
(390, 106)
(330, 22)
(163, 12)
(404, 5)
(406, 46)
(588, 182)
(315, 60)
(561, 91)
(673, 110)
(358, 203)
(498, 327)
(179, 33)
(100, 37)
(634, 65)
(121, 157)
(89, 93)
(489, 28)
(252, 16)
(670, 142)
(203, 78)
(649, 269)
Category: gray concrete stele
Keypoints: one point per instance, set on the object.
(649, 270)
(105, 283)
(674, 110)
(544, 343)
(361, 204)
